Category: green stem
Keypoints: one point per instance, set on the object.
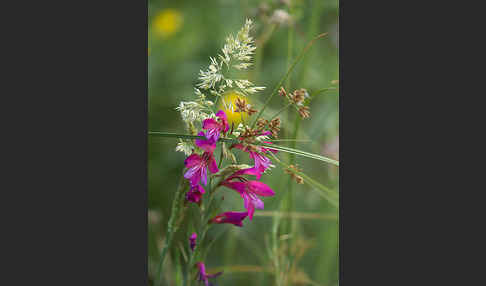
(206, 225)
(286, 75)
(290, 47)
(185, 136)
(260, 43)
(330, 195)
(290, 195)
(280, 111)
(299, 152)
(317, 8)
(276, 257)
(172, 227)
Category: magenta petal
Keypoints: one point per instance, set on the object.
(191, 172)
(237, 186)
(249, 171)
(195, 193)
(204, 175)
(246, 200)
(213, 167)
(192, 160)
(224, 119)
(210, 123)
(212, 135)
(258, 203)
(200, 189)
(206, 145)
(260, 188)
(261, 163)
(234, 218)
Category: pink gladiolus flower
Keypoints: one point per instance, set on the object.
(261, 162)
(249, 190)
(235, 218)
(215, 127)
(197, 165)
(203, 276)
(205, 144)
(195, 194)
(192, 240)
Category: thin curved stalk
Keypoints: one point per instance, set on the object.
(172, 227)
(282, 80)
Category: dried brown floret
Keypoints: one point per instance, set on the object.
(291, 171)
(242, 106)
(304, 111)
(274, 127)
(299, 96)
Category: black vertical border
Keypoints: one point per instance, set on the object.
(80, 152)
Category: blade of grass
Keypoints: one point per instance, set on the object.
(297, 215)
(300, 153)
(185, 136)
(330, 195)
(229, 140)
(172, 227)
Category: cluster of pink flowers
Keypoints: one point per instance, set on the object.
(249, 190)
(197, 165)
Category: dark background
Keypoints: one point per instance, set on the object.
(74, 198)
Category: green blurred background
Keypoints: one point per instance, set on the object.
(182, 37)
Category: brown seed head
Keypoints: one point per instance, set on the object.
(240, 105)
(304, 111)
(291, 171)
(299, 95)
(275, 127)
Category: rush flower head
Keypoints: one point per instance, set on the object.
(197, 165)
(304, 111)
(228, 103)
(215, 126)
(195, 193)
(291, 170)
(249, 190)
(203, 276)
(192, 240)
(235, 218)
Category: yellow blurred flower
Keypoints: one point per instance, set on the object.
(167, 22)
(227, 104)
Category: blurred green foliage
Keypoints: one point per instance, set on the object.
(179, 46)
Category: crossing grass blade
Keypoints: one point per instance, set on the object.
(301, 153)
(332, 196)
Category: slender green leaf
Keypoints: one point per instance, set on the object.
(184, 136)
(301, 153)
(331, 196)
(273, 146)
(277, 87)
